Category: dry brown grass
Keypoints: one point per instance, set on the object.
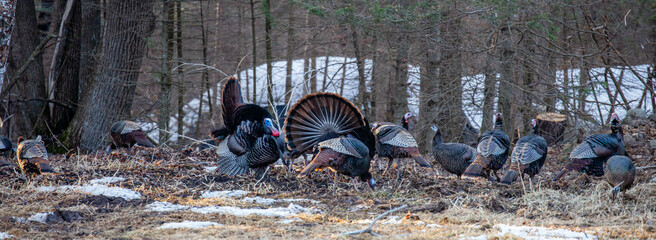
(460, 207)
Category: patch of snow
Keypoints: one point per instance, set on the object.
(39, 217)
(106, 180)
(364, 221)
(433, 225)
(291, 210)
(269, 201)
(20, 219)
(529, 232)
(209, 169)
(4, 235)
(188, 224)
(96, 189)
(479, 237)
(291, 220)
(358, 207)
(224, 194)
(392, 220)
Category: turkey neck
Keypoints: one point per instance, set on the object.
(437, 139)
(498, 125)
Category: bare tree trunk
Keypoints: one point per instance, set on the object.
(7, 17)
(30, 83)
(254, 52)
(89, 43)
(66, 63)
(313, 70)
(428, 95)
(206, 78)
(363, 99)
(166, 83)
(128, 23)
(399, 85)
(341, 85)
(489, 91)
(507, 77)
(269, 54)
(181, 84)
(290, 53)
(324, 82)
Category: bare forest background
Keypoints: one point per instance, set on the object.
(70, 68)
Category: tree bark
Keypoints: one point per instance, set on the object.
(90, 17)
(363, 99)
(181, 85)
(30, 83)
(254, 52)
(269, 53)
(7, 21)
(290, 52)
(128, 24)
(551, 126)
(64, 75)
(166, 83)
(428, 92)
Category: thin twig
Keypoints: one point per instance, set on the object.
(368, 229)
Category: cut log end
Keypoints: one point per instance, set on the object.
(551, 126)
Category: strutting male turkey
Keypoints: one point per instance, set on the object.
(251, 142)
(394, 142)
(589, 156)
(528, 156)
(128, 133)
(454, 157)
(33, 157)
(620, 173)
(337, 130)
(493, 147)
(409, 121)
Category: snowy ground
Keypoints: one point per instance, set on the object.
(598, 106)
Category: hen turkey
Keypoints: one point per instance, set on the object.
(620, 173)
(127, 134)
(250, 142)
(454, 157)
(492, 149)
(337, 130)
(528, 156)
(33, 157)
(589, 156)
(393, 141)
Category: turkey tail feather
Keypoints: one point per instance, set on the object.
(476, 167)
(510, 177)
(420, 160)
(45, 168)
(141, 139)
(322, 159)
(318, 117)
(231, 100)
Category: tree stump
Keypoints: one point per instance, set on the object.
(551, 126)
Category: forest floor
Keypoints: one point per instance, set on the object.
(141, 196)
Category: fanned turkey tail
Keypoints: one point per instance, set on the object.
(231, 100)
(322, 116)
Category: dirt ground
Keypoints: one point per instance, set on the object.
(442, 207)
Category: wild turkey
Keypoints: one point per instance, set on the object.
(33, 157)
(620, 173)
(251, 143)
(337, 130)
(528, 156)
(128, 133)
(393, 141)
(409, 121)
(454, 157)
(219, 134)
(590, 156)
(6, 147)
(493, 146)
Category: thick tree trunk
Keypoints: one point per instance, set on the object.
(128, 24)
(551, 126)
(399, 85)
(90, 18)
(507, 78)
(64, 75)
(181, 85)
(428, 95)
(30, 88)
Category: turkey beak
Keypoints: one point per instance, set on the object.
(372, 183)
